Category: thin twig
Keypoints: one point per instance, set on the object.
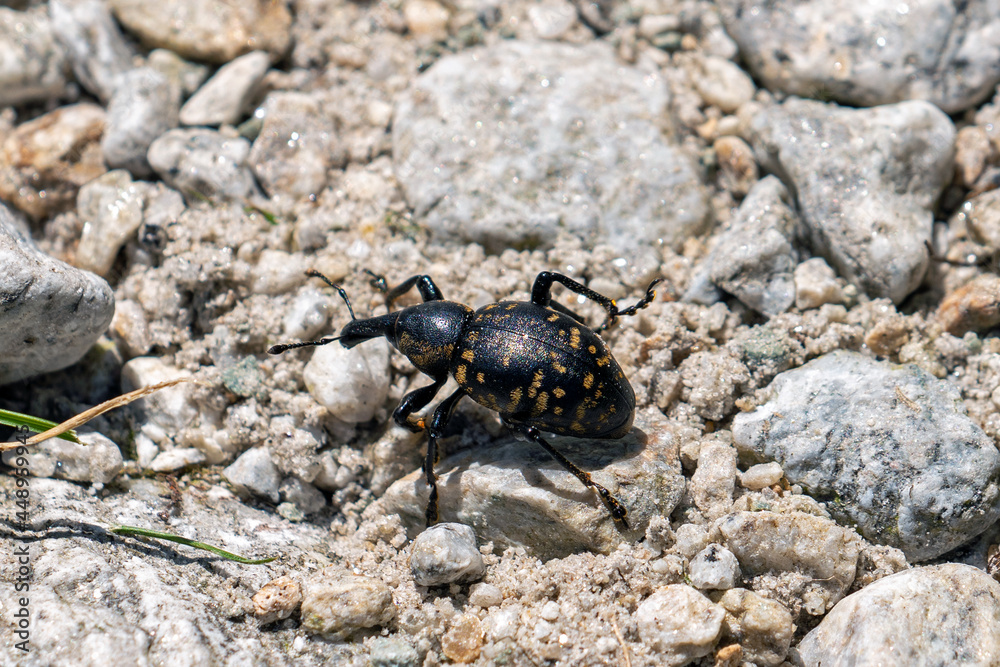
(621, 640)
(95, 411)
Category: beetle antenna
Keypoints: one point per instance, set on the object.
(313, 273)
(285, 347)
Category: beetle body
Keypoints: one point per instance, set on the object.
(535, 363)
(541, 368)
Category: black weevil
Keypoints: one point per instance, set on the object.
(535, 363)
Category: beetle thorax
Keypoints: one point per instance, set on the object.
(429, 332)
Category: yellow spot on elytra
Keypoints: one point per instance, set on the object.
(541, 404)
(558, 392)
(460, 374)
(480, 378)
(553, 317)
(511, 306)
(604, 361)
(588, 380)
(469, 355)
(577, 427)
(537, 380)
(559, 367)
(557, 410)
(574, 338)
(592, 349)
(515, 398)
(506, 360)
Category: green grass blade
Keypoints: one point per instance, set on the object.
(34, 424)
(145, 532)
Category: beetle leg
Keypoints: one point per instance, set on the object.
(436, 430)
(615, 507)
(541, 294)
(425, 285)
(414, 401)
(632, 310)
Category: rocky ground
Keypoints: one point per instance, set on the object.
(813, 474)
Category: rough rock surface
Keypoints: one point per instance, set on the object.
(52, 313)
(936, 615)
(889, 448)
(519, 165)
(869, 213)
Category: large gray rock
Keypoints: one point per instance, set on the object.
(866, 181)
(515, 494)
(871, 53)
(506, 145)
(50, 312)
(890, 448)
(941, 615)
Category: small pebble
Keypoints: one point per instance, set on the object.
(464, 639)
(143, 106)
(277, 272)
(393, 652)
(303, 495)
(335, 603)
(254, 471)
(690, 539)
(34, 65)
(714, 568)
(446, 553)
(96, 48)
(309, 313)
(938, 615)
(485, 595)
(816, 284)
(224, 97)
(176, 459)
(44, 161)
(111, 209)
(351, 384)
(761, 476)
(276, 600)
(96, 459)
(763, 627)
(679, 623)
(203, 164)
(973, 307)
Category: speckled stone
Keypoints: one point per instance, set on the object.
(679, 624)
(939, 615)
(871, 53)
(890, 448)
(446, 553)
(336, 603)
(505, 145)
(867, 207)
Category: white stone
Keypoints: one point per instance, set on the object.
(254, 471)
(761, 476)
(110, 207)
(680, 624)
(446, 553)
(176, 459)
(351, 383)
(714, 568)
(224, 97)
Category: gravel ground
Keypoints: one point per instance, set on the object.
(811, 476)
